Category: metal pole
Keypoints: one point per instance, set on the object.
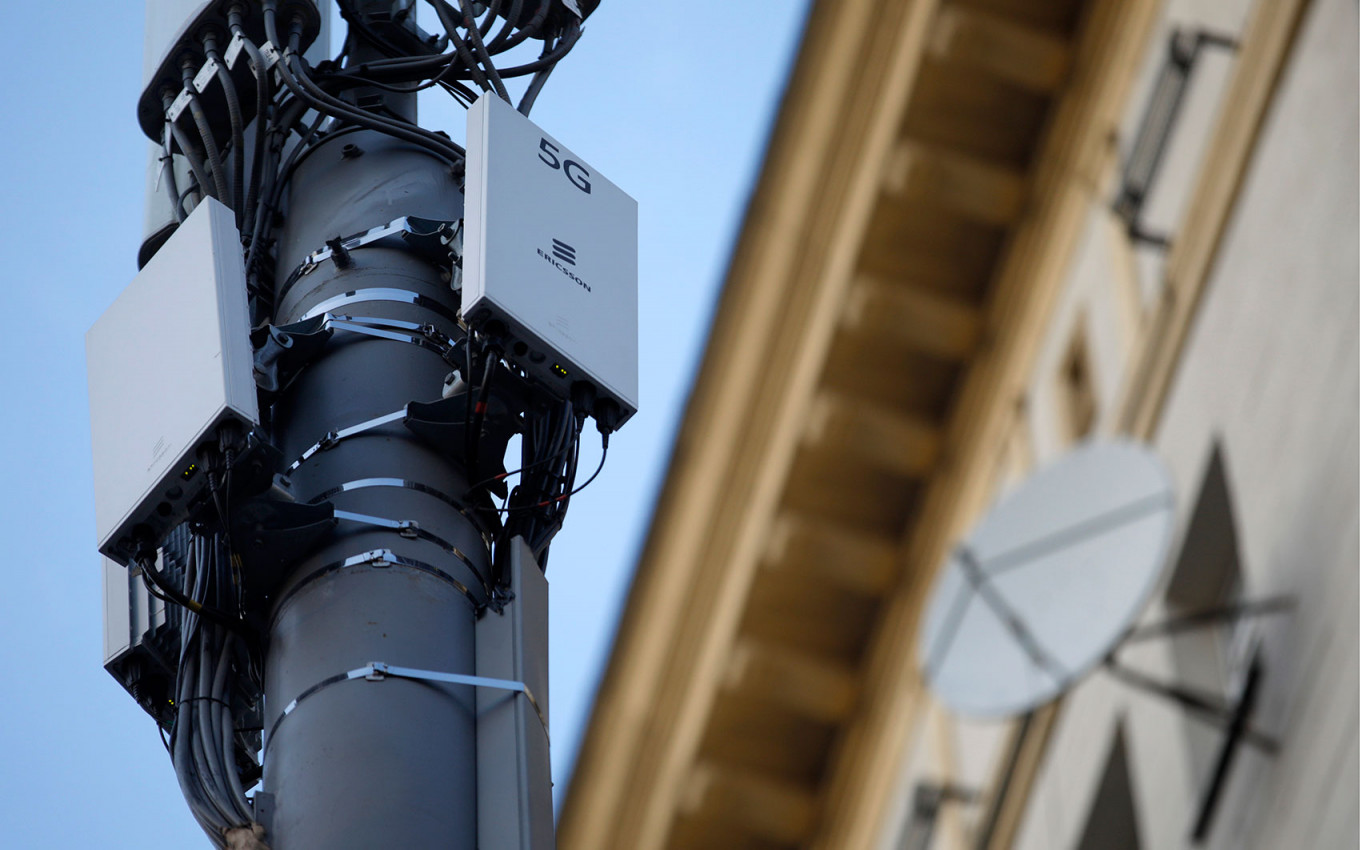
(360, 763)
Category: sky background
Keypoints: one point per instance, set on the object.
(672, 101)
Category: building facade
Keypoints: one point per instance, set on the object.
(987, 230)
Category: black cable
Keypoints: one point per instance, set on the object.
(238, 143)
(526, 102)
(547, 60)
(511, 16)
(349, 78)
(150, 573)
(205, 133)
(504, 475)
(280, 176)
(604, 453)
(190, 153)
(262, 101)
(361, 28)
(407, 64)
(220, 702)
(446, 17)
(167, 174)
(492, 357)
(563, 47)
(479, 48)
(499, 45)
(489, 17)
(467, 406)
(302, 87)
(191, 188)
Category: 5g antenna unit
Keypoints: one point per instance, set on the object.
(550, 262)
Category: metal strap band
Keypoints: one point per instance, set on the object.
(334, 437)
(368, 237)
(381, 670)
(377, 671)
(366, 483)
(379, 295)
(380, 558)
(404, 229)
(423, 336)
(409, 528)
(424, 330)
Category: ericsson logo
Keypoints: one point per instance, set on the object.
(564, 253)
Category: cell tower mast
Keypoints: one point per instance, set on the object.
(322, 589)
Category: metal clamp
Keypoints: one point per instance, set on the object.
(438, 241)
(334, 437)
(379, 295)
(377, 671)
(366, 483)
(383, 558)
(411, 530)
(422, 335)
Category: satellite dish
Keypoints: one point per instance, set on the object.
(1049, 582)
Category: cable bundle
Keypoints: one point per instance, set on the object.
(550, 448)
(306, 105)
(467, 31)
(205, 742)
(218, 671)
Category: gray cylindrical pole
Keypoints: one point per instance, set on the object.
(357, 763)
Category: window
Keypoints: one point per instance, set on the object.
(1076, 387)
(1112, 823)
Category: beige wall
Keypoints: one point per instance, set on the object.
(1270, 374)
(1269, 371)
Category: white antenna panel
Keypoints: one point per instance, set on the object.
(168, 362)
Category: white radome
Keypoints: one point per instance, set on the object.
(1049, 582)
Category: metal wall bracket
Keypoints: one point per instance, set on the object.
(927, 801)
(1154, 131)
(1206, 706)
(1232, 715)
(1210, 617)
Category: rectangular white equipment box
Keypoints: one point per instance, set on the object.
(551, 254)
(130, 613)
(168, 363)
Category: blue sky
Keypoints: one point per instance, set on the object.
(673, 102)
